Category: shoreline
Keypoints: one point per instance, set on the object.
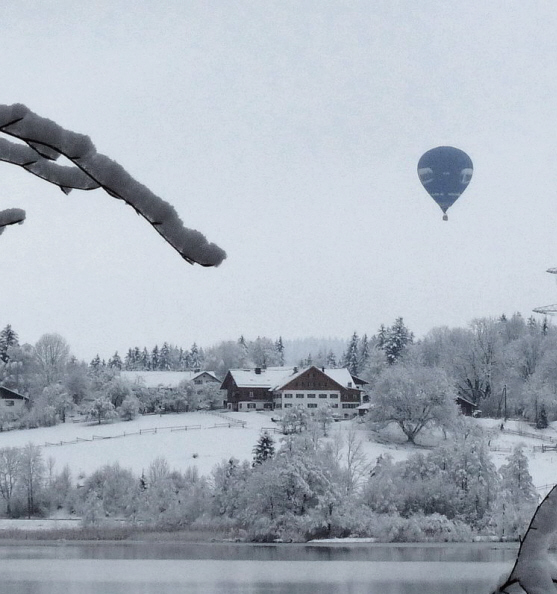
(133, 536)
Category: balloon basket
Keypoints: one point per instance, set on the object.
(445, 217)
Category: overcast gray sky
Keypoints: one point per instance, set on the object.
(289, 134)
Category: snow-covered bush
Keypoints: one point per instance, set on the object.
(101, 409)
(129, 408)
(457, 480)
(114, 486)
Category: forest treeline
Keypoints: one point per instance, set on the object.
(504, 366)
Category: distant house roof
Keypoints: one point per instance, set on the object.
(8, 394)
(167, 379)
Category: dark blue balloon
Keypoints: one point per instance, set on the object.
(445, 173)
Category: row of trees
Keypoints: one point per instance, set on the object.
(29, 485)
(260, 352)
(304, 487)
(504, 366)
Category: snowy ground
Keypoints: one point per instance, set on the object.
(214, 440)
(203, 445)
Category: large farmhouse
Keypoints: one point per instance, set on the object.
(281, 388)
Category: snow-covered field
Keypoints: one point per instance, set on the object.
(203, 445)
(208, 444)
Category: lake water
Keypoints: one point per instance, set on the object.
(171, 568)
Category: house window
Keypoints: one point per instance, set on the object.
(311, 395)
(288, 395)
(251, 394)
(312, 404)
(9, 402)
(333, 396)
(322, 395)
(278, 405)
(288, 405)
(349, 405)
(251, 404)
(267, 405)
(299, 395)
(334, 405)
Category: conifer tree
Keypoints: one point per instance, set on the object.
(95, 363)
(244, 345)
(115, 362)
(129, 360)
(307, 362)
(183, 360)
(351, 356)
(397, 339)
(136, 358)
(541, 421)
(8, 338)
(194, 356)
(279, 347)
(155, 358)
(264, 449)
(331, 360)
(381, 337)
(364, 353)
(516, 478)
(164, 357)
(145, 359)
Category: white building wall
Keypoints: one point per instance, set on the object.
(309, 399)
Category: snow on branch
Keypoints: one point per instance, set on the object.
(11, 216)
(46, 141)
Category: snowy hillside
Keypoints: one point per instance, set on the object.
(210, 438)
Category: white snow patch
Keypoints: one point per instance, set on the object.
(219, 437)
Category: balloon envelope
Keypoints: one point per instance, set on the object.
(445, 173)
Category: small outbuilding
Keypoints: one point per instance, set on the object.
(11, 400)
(467, 407)
(363, 409)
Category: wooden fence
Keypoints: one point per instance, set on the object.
(529, 434)
(271, 430)
(147, 431)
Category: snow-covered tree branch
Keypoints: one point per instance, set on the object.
(46, 141)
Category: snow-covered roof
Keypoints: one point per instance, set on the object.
(341, 376)
(168, 379)
(11, 394)
(268, 377)
(273, 378)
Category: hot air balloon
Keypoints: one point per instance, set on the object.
(445, 173)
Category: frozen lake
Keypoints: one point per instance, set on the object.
(170, 568)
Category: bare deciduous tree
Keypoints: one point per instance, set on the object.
(51, 354)
(10, 462)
